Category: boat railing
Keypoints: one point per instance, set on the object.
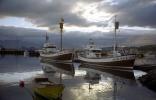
(65, 51)
(114, 58)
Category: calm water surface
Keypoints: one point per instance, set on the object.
(81, 82)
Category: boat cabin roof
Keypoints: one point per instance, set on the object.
(92, 47)
(49, 45)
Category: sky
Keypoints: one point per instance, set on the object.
(83, 19)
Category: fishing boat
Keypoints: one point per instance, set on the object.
(50, 51)
(46, 90)
(93, 55)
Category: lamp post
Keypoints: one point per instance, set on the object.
(61, 31)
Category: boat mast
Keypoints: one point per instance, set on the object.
(116, 26)
(61, 31)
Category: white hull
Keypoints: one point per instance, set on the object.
(112, 61)
(63, 56)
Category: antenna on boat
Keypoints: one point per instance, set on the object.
(116, 26)
(61, 31)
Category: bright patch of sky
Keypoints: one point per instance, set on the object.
(91, 13)
(48, 1)
(111, 2)
(138, 28)
(89, 29)
(19, 22)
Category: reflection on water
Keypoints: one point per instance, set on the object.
(92, 82)
(81, 82)
(13, 64)
(78, 87)
(138, 73)
(6, 78)
(64, 68)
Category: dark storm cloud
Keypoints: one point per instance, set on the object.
(132, 12)
(48, 12)
(140, 17)
(42, 12)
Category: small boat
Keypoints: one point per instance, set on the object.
(93, 55)
(49, 50)
(26, 53)
(46, 90)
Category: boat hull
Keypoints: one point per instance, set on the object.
(121, 62)
(59, 56)
(44, 89)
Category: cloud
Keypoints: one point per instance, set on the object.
(42, 12)
(132, 12)
(84, 19)
(47, 13)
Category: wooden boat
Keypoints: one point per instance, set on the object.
(46, 90)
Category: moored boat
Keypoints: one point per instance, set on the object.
(46, 90)
(93, 55)
(49, 50)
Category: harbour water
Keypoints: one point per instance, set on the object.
(82, 82)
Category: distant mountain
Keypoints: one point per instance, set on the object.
(141, 40)
(13, 37)
(148, 48)
(19, 44)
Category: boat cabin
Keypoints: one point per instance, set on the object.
(49, 48)
(91, 51)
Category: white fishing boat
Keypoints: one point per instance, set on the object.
(50, 52)
(93, 55)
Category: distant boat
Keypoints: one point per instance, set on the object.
(26, 53)
(93, 55)
(50, 51)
